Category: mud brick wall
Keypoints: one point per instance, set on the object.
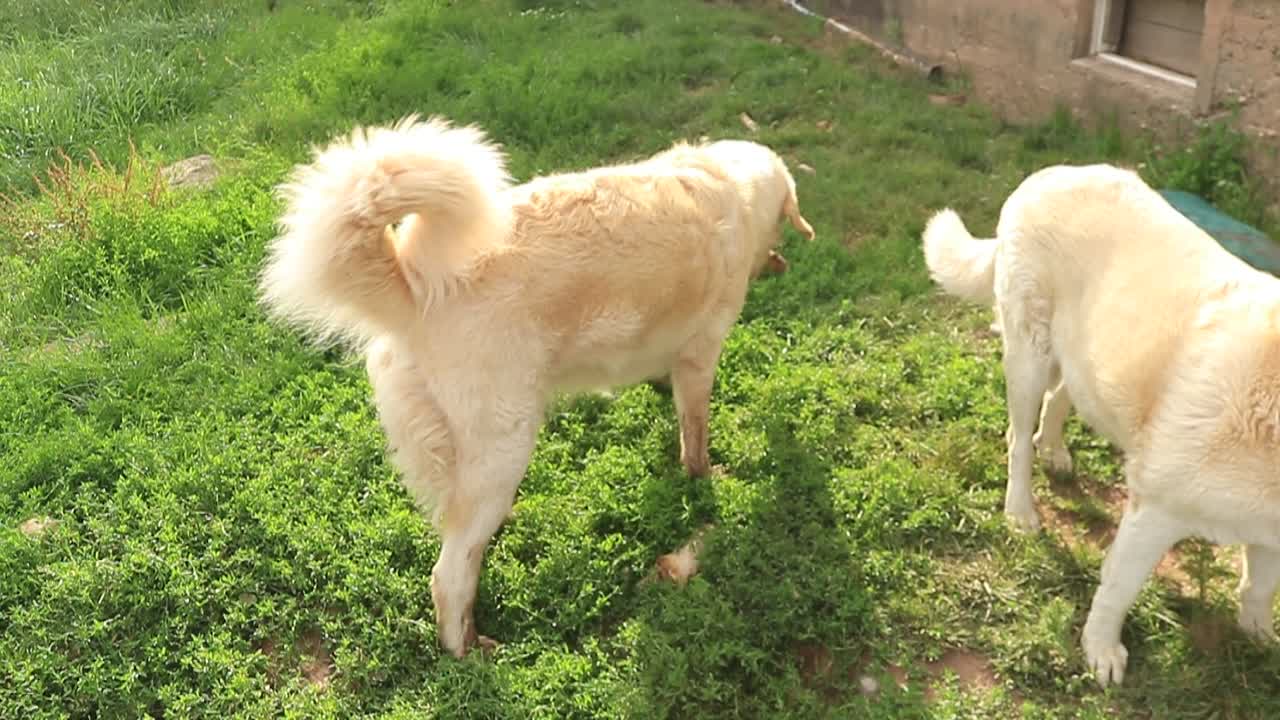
(1249, 64)
(1025, 57)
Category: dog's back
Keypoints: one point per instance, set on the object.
(629, 262)
(1121, 282)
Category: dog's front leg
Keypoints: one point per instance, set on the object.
(1257, 590)
(691, 381)
(1145, 534)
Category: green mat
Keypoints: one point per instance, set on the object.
(1244, 241)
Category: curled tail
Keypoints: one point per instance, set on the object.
(962, 264)
(338, 268)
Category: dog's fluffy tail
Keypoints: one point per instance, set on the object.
(338, 268)
(962, 264)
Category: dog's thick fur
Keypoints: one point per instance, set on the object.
(1166, 344)
(488, 299)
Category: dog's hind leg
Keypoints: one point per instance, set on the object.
(1048, 440)
(488, 470)
(469, 487)
(417, 432)
(1146, 532)
(1258, 585)
(1027, 370)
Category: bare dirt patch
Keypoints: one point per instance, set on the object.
(316, 663)
(1066, 523)
(1208, 634)
(1075, 529)
(311, 654)
(815, 662)
(973, 671)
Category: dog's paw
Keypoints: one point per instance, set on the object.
(1106, 660)
(486, 645)
(1261, 634)
(1026, 524)
(1022, 517)
(1056, 459)
(1057, 463)
(1257, 623)
(697, 466)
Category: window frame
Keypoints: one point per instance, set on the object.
(1107, 24)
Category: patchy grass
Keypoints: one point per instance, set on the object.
(228, 540)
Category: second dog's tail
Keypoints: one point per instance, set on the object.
(962, 264)
(340, 270)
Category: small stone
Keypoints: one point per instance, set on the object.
(198, 171)
(868, 685)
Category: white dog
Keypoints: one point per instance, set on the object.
(489, 299)
(1167, 345)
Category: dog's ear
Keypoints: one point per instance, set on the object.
(791, 208)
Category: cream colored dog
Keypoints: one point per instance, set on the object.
(489, 299)
(1167, 345)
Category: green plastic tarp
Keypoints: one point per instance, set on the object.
(1244, 241)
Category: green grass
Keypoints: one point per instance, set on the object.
(224, 500)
